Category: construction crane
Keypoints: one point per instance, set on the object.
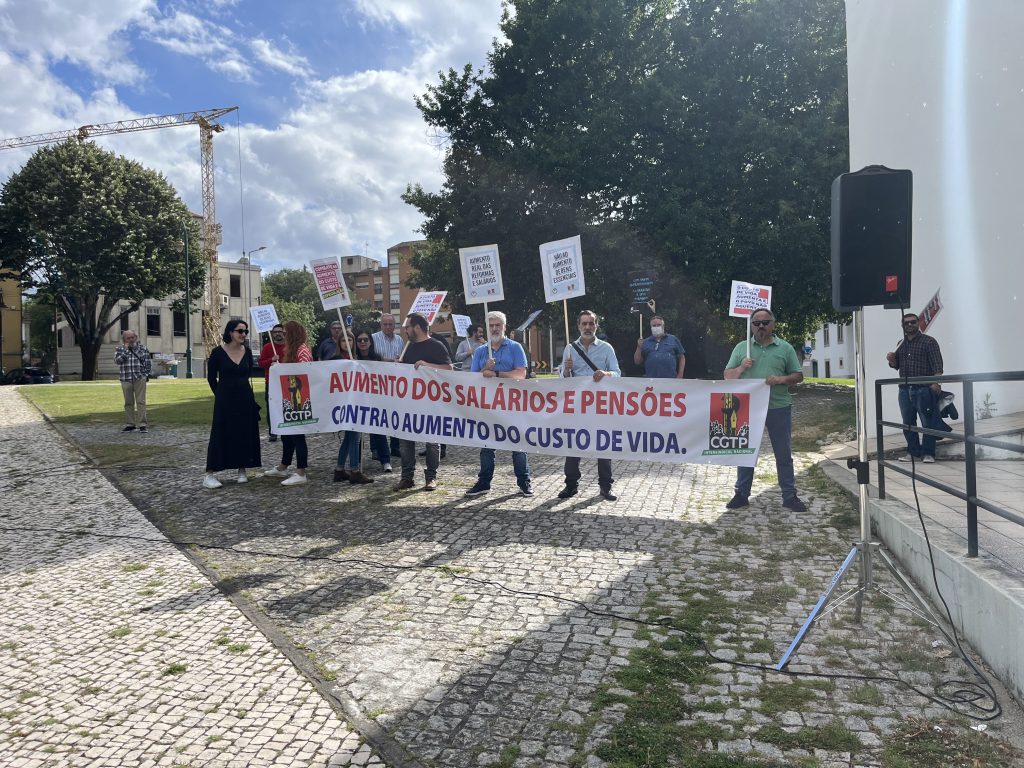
(206, 120)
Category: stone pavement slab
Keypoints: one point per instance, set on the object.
(496, 630)
(115, 650)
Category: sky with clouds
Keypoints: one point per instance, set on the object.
(327, 135)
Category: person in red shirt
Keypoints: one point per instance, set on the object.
(272, 350)
(295, 351)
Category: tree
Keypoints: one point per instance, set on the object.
(698, 139)
(97, 234)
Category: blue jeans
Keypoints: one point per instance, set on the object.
(520, 464)
(919, 400)
(779, 423)
(379, 444)
(349, 450)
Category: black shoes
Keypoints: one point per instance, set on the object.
(143, 430)
(341, 475)
(478, 490)
(568, 492)
(272, 438)
(525, 489)
(607, 495)
(129, 428)
(739, 501)
(795, 504)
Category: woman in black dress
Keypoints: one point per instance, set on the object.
(235, 433)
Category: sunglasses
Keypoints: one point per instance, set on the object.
(242, 330)
(760, 323)
(362, 341)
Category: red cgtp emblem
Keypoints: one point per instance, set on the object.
(295, 392)
(729, 423)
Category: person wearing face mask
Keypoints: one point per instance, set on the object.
(271, 352)
(661, 354)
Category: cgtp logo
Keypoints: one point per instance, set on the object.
(729, 424)
(296, 404)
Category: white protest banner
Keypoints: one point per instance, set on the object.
(264, 317)
(562, 264)
(330, 283)
(746, 297)
(667, 420)
(461, 323)
(481, 274)
(428, 304)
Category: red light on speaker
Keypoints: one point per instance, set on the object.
(892, 283)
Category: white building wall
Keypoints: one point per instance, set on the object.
(249, 285)
(831, 353)
(936, 87)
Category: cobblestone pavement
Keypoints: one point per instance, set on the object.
(118, 651)
(448, 622)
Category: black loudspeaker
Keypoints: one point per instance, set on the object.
(871, 225)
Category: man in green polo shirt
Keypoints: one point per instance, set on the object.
(774, 361)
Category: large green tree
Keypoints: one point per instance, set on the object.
(697, 138)
(97, 234)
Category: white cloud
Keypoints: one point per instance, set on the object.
(275, 58)
(214, 44)
(73, 31)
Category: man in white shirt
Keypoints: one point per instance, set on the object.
(386, 342)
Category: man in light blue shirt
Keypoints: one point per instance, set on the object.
(500, 358)
(602, 355)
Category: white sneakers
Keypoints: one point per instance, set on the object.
(243, 478)
(294, 480)
(387, 469)
(929, 459)
(277, 473)
(211, 482)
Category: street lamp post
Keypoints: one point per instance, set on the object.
(3, 350)
(248, 279)
(188, 308)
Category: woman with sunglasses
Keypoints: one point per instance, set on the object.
(367, 350)
(295, 351)
(235, 432)
(350, 450)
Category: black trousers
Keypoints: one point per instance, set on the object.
(296, 444)
(572, 472)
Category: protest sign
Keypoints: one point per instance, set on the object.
(481, 274)
(264, 317)
(667, 420)
(562, 264)
(330, 283)
(747, 297)
(929, 313)
(641, 285)
(428, 304)
(461, 323)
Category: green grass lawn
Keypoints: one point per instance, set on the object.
(178, 402)
(836, 382)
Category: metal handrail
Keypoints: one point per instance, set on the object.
(969, 439)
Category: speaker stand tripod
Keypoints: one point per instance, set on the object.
(864, 550)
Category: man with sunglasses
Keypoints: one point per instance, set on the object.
(774, 361)
(272, 350)
(918, 355)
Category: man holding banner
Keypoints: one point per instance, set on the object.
(423, 350)
(774, 360)
(588, 356)
(505, 359)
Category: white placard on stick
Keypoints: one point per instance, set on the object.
(747, 297)
(481, 274)
(264, 317)
(428, 304)
(461, 323)
(562, 264)
(330, 283)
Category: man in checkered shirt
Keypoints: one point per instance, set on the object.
(918, 355)
(133, 361)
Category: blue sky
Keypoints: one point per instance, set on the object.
(326, 137)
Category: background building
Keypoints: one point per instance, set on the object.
(831, 352)
(161, 328)
(11, 349)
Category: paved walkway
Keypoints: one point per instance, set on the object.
(115, 650)
(448, 622)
